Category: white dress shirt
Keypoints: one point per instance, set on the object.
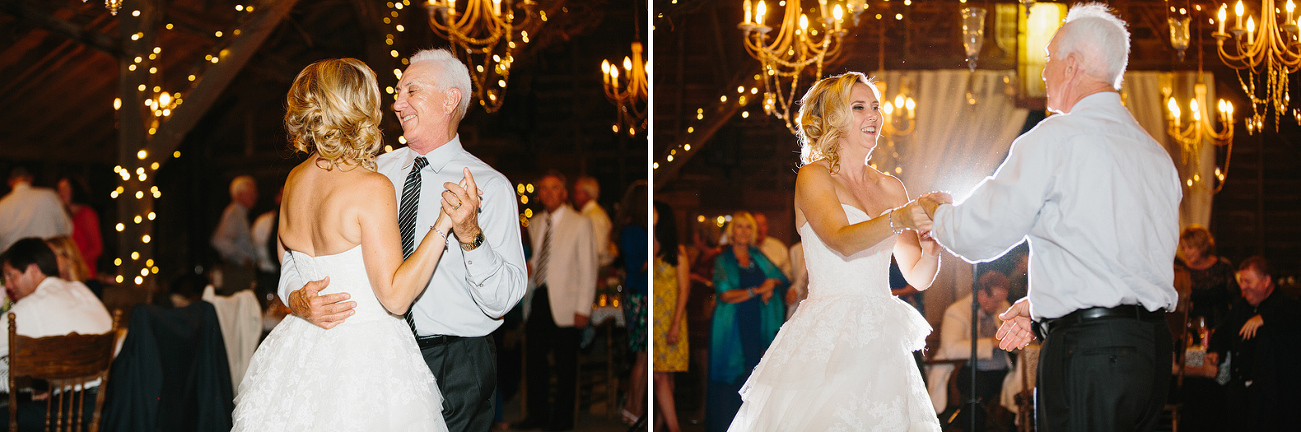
(605, 249)
(31, 212)
(261, 233)
(57, 307)
(1098, 199)
(955, 344)
(233, 238)
(471, 291)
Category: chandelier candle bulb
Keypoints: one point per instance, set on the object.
(759, 12)
(747, 13)
(1223, 11)
(1237, 10)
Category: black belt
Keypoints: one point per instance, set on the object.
(1137, 312)
(433, 341)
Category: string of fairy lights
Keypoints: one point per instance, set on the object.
(158, 106)
(741, 98)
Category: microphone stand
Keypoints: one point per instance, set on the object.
(973, 399)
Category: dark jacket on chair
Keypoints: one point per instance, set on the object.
(172, 373)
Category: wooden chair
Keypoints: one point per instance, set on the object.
(68, 363)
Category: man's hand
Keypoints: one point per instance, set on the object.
(911, 216)
(1015, 333)
(325, 311)
(461, 203)
(929, 202)
(580, 321)
(1249, 329)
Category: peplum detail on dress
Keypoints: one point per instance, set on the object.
(843, 362)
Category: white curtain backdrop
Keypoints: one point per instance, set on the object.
(956, 144)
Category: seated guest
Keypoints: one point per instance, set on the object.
(992, 363)
(71, 265)
(1259, 342)
(45, 305)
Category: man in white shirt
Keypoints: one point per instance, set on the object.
(1099, 200)
(563, 286)
(29, 211)
(992, 363)
(586, 191)
(44, 304)
(475, 283)
(233, 238)
(772, 248)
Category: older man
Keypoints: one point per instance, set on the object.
(233, 238)
(29, 211)
(1260, 342)
(1099, 200)
(563, 287)
(475, 283)
(586, 191)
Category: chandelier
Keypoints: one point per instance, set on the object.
(627, 90)
(111, 5)
(973, 33)
(903, 111)
(1271, 53)
(483, 33)
(1201, 128)
(798, 45)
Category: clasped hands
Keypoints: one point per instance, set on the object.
(460, 203)
(919, 214)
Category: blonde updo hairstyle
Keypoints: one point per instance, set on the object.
(825, 117)
(333, 109)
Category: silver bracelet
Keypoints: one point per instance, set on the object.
(892, 229)
(440, 233)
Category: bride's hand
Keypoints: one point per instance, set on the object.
(911, 216)
(929, 246)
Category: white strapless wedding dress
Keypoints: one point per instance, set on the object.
(365, 374)
(843, 362)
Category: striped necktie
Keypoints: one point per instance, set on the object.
(544, 252)
(407, 219)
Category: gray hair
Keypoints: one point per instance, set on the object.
(242, 183)
(1100, 38)
(449, 73)
(590, 186)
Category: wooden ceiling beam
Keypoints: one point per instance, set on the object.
(25, 11)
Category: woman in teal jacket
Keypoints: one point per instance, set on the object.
(750, 310)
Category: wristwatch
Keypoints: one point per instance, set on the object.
(473, 244)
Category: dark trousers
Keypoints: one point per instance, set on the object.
(466, 370)
(989, 384)
(543, 337)
(1107, 374)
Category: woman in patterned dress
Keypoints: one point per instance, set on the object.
(672, 285)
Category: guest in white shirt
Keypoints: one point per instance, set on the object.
(29, 211)
(233, 237)
(44, 304)
(1099, 200)
(772, 248)
(586, 191)
(992, 363)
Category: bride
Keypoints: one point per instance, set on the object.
(843, 360)
(339, 219)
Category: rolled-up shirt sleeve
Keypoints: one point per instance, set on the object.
(495, 271)
(1002, 209)
(289, 279)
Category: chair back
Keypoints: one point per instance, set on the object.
(68, 363)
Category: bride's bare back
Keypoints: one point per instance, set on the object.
(321, 210)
